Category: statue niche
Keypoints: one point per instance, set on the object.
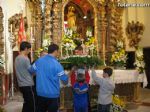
(78, 38)
(71, 17)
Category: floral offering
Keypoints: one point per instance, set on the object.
(139, 61)
(119, 57)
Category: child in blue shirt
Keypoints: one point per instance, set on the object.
(80, 92)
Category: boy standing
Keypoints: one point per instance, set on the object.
(80, 89)
(106, 89)
(25, 80)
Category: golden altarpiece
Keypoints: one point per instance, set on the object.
(103, 17)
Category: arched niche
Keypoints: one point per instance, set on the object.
(93, 4)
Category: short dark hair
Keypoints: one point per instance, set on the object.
(25, 45)
(52, 48)
(108, 70)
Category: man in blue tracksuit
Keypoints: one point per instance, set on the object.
(48, 72)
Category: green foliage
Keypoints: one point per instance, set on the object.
(68, 63)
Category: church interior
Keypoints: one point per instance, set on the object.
(97, 33)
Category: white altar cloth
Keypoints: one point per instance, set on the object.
(119, 77)
(124, 76)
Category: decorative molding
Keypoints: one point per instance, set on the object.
(1, 32)
(134, 30)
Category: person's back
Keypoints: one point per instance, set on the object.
(46, 76)
(48, 72)
(105, 91)
(23, 76)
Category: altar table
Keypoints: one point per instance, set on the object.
(124, 76)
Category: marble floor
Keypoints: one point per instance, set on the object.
(15, 104)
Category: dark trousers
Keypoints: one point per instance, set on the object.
(48, 104)
(104, 108)
(29, 97)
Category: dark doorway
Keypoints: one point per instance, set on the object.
(146, 52)
(130, 60)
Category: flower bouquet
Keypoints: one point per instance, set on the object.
(118, 58)
(139, 61)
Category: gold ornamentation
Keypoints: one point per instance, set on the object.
(133, 31)
(71, 17)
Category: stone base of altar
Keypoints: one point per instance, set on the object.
(129, 92)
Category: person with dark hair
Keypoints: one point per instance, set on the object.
(106, 89)
(80, 92)
(25, 80)
(48, 72)
(79, 50)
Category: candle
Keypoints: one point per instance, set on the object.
(31, 44)
(103, 47)
(71, 52)
(104, 53)
(67, 53)
(11, 29)
(61, 50)
(92, 51)
(31, 34)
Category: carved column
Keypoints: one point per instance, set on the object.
(116, 27)
(48, 18)
(1, 33)
(38, 24)
(103, 30)
(57, 22)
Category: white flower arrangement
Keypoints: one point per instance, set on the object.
(89, 33)
(139, 61)
(68, 33)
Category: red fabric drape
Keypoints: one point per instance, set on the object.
(73, 77)
(21, 33)
(77, 1)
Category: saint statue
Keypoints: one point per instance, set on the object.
(71, 17)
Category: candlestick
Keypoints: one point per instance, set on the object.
(31, 34)
(67, 52)
(61, 50)
(71, 52)
(92, 52)
(11, 29)
(31, 40)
